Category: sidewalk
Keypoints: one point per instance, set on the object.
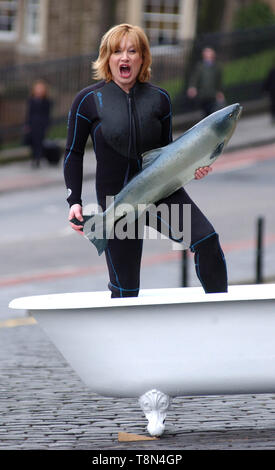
(251, 131)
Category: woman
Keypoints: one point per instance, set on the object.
(38, 120)
(127, 116)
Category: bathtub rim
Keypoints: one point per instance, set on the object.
(165, 296)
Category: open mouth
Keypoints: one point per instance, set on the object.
(125, 71)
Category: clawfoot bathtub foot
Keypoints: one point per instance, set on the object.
(155, 405)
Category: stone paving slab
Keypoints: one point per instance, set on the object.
(45, 406)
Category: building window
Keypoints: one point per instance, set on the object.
(33, 21)
(8, 19)
(161, 20)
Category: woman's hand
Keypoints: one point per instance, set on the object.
(201, 172)
(76, 212)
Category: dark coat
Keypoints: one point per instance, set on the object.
(207, 78)
(269, 83)
(38, 115)
(37, 123)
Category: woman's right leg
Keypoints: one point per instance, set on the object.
(123, 259)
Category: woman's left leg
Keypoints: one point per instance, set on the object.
(209, 258)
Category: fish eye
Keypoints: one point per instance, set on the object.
(231, 115)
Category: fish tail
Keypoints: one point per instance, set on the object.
(100, 244)
(95, 232)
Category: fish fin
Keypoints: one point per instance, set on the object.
(217, 151)
(150, 156)
(100, 244)
(95, 232)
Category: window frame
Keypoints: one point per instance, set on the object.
(165, 16)
(31, 9)
(10, 35)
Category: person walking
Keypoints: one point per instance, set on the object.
(126, 115)
(206, 83)
(37, 120)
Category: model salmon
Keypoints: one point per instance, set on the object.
(164, 171)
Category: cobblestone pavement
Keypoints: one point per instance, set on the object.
(44, 405)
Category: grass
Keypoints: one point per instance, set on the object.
(248, 69)
(174, 86)
(58, 131)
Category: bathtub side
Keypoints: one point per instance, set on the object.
(182, 349)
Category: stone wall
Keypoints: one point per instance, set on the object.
(70, 28)
(73, 27)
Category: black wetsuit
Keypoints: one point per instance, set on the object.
(122, 127)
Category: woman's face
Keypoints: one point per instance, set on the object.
(125, 63)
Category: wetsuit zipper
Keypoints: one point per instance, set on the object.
(130, 125)
(135, 121)
(129, 102)
(132, 143)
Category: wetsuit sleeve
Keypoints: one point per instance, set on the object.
(166, 119)
(78, 131)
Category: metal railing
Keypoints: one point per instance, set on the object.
(65, 77)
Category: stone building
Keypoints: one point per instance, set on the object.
(32, 30)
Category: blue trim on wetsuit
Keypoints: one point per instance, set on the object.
(94, 135)
(121, 289)
(197, 266)
(110, 258)
(170, 228)
(124, 290)
(84, 117)
(170, 113)
(192, 247)
(75, 126)
(210, 264)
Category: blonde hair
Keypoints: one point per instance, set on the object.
(110, 42)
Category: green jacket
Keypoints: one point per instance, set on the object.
(207, 79)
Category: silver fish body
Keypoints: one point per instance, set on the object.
(165, 170)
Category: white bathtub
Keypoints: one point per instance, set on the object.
(164, 343)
